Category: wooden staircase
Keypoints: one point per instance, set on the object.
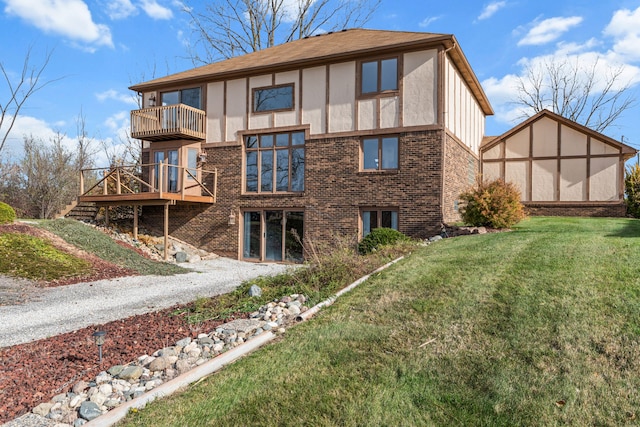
(83, 211)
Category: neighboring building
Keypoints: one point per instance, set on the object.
(326, 136)
(560, 167)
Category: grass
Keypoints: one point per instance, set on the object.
(538, 326)
(33, 258)
(98, 243)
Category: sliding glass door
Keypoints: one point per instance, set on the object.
(273, 235)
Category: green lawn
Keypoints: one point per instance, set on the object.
(539, 326)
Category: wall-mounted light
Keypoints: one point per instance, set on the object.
(232, 218)
(152, 101)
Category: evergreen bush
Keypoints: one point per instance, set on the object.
(379, 237)
(7, 214)
(494, 204)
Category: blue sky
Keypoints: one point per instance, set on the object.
(100, 47)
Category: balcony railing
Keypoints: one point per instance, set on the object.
(177, 121)
(148, 184)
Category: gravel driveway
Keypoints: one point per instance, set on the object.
(52, 311)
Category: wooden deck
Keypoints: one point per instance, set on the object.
(144, 199)
(139, 185)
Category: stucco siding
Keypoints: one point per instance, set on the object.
(367, 114)
(342, 81)
(314, 98)
(517, 146)
(215, 112)
(462, 113)
(574, 143)
(389, 112)
(518, 173)
(573, 183)
(545, 173)
(420, 88)
(604, 178)
(236, 108)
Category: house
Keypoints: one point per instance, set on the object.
(560, 167)
(331, 135)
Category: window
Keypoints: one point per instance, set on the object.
(378, 218)
(192, 163)
(273, 98)
(189, 97)
(380, 153)
(379, 76)
(170, 172)
(274, 163)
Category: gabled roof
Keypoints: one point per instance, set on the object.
(322, 49)
(626, 150)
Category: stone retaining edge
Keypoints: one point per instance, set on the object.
(118, 413)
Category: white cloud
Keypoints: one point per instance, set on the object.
(68, 18)
(120, 9)
(490, 9)
(155, 10)
(428, 21)
(502, 92)
(113, 94)
(549, 30)
(26, 126)
(624, 27)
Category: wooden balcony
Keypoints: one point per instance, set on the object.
(152, 184)
(168, 122)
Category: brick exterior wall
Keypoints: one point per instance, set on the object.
(461, 170)
(584, 209)
(335, 191)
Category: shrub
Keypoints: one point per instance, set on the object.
(494, 204)
(379, 237)
(632, 190)
(7, 214)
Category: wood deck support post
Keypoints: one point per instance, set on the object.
(135, 222)
(81, 183)
(166, 231)
(106, 216)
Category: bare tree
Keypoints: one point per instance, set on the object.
(227, 28)
(49, 173)
(579, 91)
(20, 90)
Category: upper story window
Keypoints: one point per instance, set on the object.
(273, 98)
(379, 153)
(274, 162)
(189, 97)
(379, 76)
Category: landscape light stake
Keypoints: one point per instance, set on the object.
(98, 336)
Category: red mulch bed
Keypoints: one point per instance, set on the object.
(34, 372)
